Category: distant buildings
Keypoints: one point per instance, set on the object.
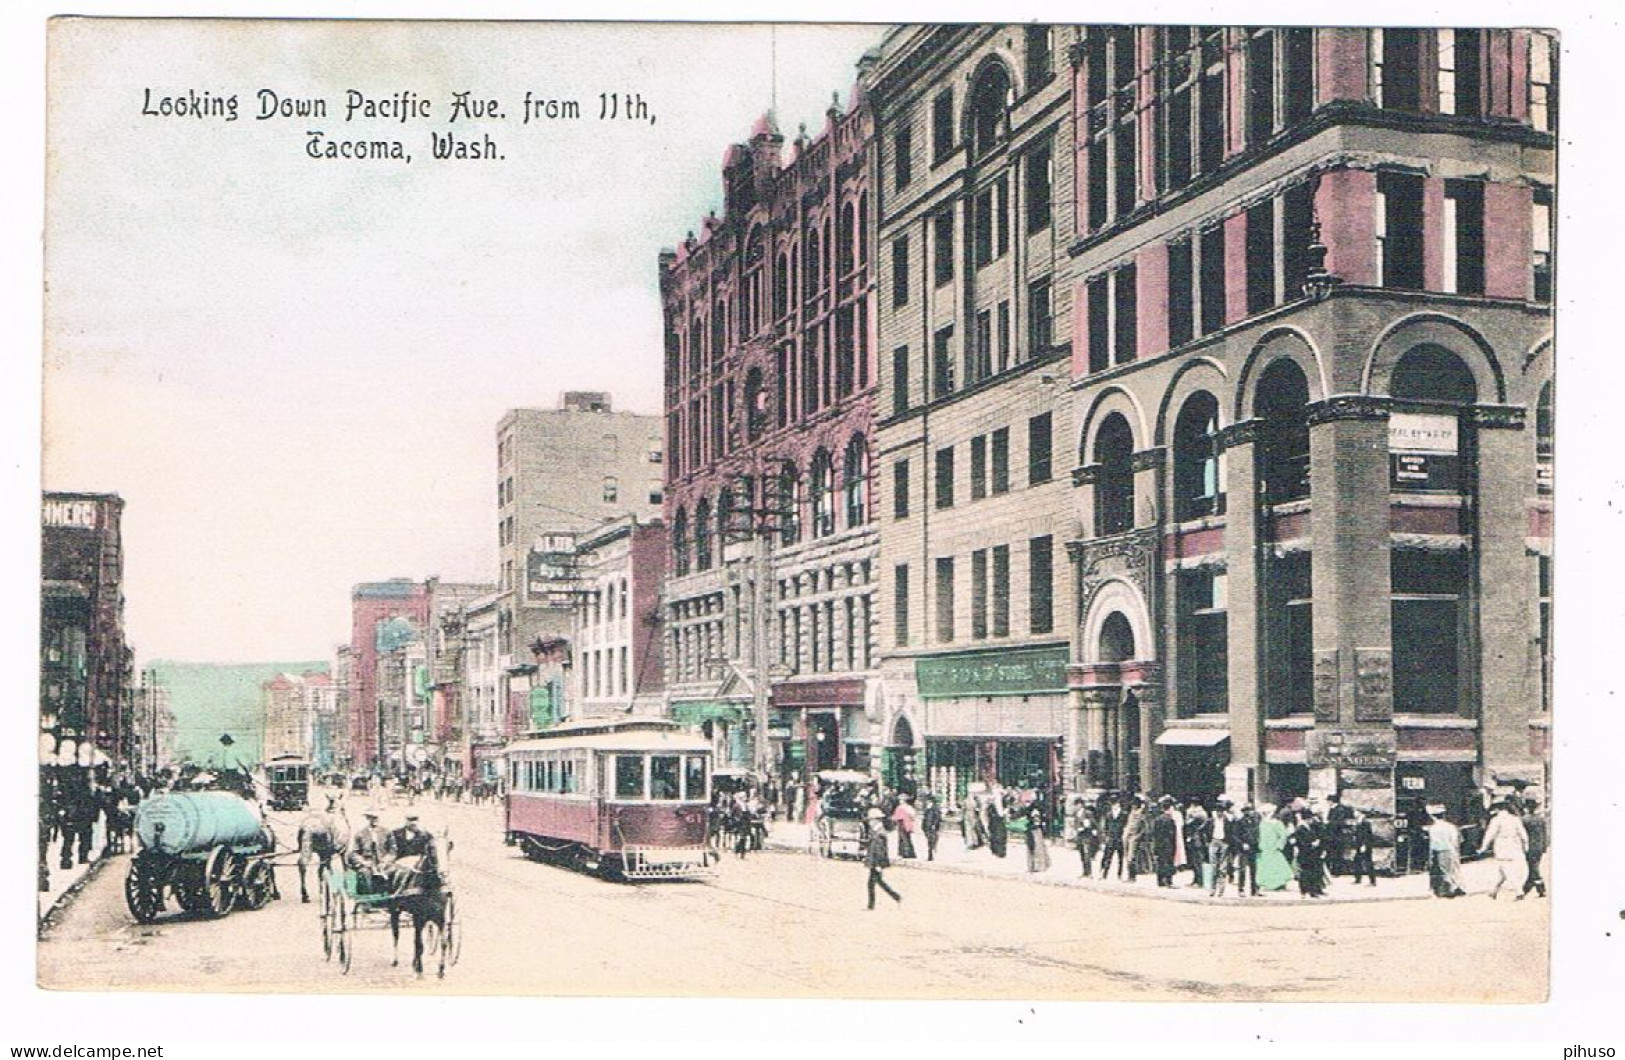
(295, 706)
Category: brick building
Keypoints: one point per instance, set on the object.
(616, 637)
(1311, 364)
(975, 225)
(385, 616)
(770, 378)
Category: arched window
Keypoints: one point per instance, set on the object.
(1116, 639)
(855, 481)
(989, 109)
(823, 494)
(812, 265)
(702, 535)
(1433, 373)
(1197, 489)
(789, 504)
(1430, 444)
(844, 237)
(1283, 437)
(719, 332)
(726, 519)
(1114, 489)
(679, 541)
(756, 410)
(781, 286)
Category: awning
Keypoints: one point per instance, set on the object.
(1193, 737)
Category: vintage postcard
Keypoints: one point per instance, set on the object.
(977, 511)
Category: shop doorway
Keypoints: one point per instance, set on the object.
(824, 741)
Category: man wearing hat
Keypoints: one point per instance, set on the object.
(367, 852)
(878, 857)
(1509, 840)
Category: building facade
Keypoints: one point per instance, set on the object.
(770, 378)
(617, 640)
(385, 616)
(1311, 410)
(975, 227)
(86, 670)
(296, 712)
(482, 691)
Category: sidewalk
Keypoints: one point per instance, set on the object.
(66, 881)
(1065, 871)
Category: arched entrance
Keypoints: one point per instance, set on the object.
(898, 763)
(1119, 680)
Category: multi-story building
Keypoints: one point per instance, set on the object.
(482, 691)
(770, 379)
(616, 639)
(384, 616)
(560, 471)
(294, 706)
(340, 727)
(973, 179)
(445, 643)
(1311, 384)
(85, 666)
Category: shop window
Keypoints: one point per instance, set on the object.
(855, 481)
(1001, 461)
(903, 158)
(1040, 450)
(1197, 482)
(1463, 232)
(945, 477)
(899, 271)
(1428, 635)
(1114, 489)
(1001, 590)
(1289, 631)
(900, 605)
(1203, 643)
(1283, 442)
(945, 598)
(1041, 584)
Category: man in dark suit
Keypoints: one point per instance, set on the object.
(1112, 827)
(1361, 846)
(1165, 842)
(1244, 850)
(1340, 828)
(931, 825)
(1539, 832)
(878, 857)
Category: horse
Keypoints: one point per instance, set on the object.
(322, 836)
(417, 889)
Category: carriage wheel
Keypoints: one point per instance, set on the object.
(259, 884)
(451, 937)
(145, 899)
(346, 951)
(219, 890)
(327, 936)
(324, 885)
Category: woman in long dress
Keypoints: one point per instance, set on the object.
(1037, 849)
(997, 834)
(1274, 871)
(970, 822)
(1310, 847)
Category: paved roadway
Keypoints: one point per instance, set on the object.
(782, 924)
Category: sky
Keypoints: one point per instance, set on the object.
(291, 369)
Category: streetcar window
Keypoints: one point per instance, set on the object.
(694, 777)
(567, 776)
(629, 776)
(552, 781)
(664, 777)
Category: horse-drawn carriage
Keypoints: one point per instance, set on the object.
(354, 900)
(841, 828)
(208, 849)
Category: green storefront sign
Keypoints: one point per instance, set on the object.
(699, 712)
(544, 705)
(1017, 672)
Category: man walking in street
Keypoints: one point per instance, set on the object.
(878, 858)
(1164, 842)
(931, 825)
(1244, 851)
(1510, 842)
(1361, 847)
(1112, 827)
(1340, 836)
(1535, 826)
(1220, 859)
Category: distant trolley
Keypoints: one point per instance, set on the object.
(625, 796)
(288, 777)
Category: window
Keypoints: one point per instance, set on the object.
(899, 271)
(855, 469)
(1125, 333)
(899, 489)
(1428, 636)
(1040, 324)
(1001, 590)
(1541, 251)
(1542, 83)
(1213, 111)
(1261, 256)
(978, 467)
(899, 380)
(1260, 86)
(694, 787)
(943, 224)
(1114, 488)
(1463, 232)
(1289, 635)
(942, 362)
(1041, 584)
(1297, 98)
(978, 594)
(900, 605)
(902, 157)
(945, 598)
(1460, 65)
(1212, 280)
(1040, 458)
(612, 489)
(1039, 171)
(979, 363)
(1543, 574)
(982, 221)
(702, 535)
(1197, 487)
(823, 494)
(1112, 310)
(1396, 71)
(629, 776)
(1038, 52)
(942, 127)
(1001, 461)
(1283, 437)
(665, 778)
(1203, 643)
(1297, 233)
(1545, 439)
(989, 107)
(1399, 229)
(1002, 355)
(788, 505)
(945, 477)
(1112, 106)
(1180, 305)
(1097, 292)
(679, 541)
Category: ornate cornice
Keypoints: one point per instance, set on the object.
(1348, 407)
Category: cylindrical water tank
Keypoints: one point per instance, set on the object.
(196, 820)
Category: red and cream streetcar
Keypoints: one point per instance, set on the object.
(623, 796)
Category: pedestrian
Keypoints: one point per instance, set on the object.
(1136, 839)
(931, 825)
(1198, 836)
(1340, 841)
(1114, 830)
(903, 817)
(1164, 842)
(1309, 853)
(1535, 826)
(1244, 840)
(1221, 858)
(1274, 870)
(1444, 855)
(1361, 848)
(1509, 840)
(998, 832)
(877, 859)
(970, 822)
(1086, 834)
(1037, 847)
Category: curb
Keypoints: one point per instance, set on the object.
(49, 918)
(918, 865)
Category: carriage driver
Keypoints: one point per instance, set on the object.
(412, 849)
(368, 850)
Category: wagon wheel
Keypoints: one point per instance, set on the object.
(328, 932)
(451, 937)
(259, 884)
(144, 897)
(346, 950)
(219, 889)
(324, 885)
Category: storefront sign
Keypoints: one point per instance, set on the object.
(1022, 672)
(1351, 749)
(843, 693)
(550, 572)
(1423, 451)
(75, 515)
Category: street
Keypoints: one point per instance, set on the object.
(782, 924)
